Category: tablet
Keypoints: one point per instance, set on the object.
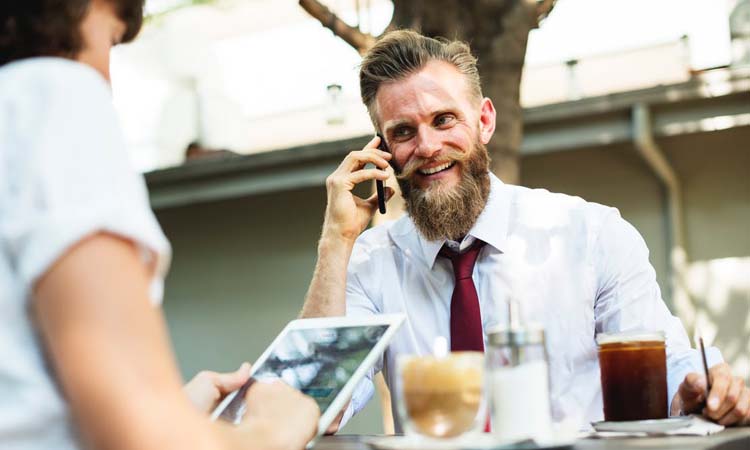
(324, 358)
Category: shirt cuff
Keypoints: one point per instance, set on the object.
(362, 394)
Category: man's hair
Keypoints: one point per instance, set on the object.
(401, 53)
(31, 28)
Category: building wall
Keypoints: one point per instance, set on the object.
(241, 267)
(715, 169)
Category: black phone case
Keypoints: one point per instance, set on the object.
(379, 184)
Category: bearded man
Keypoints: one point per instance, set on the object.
(576, 267)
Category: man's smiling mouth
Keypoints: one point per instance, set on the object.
(436, 169)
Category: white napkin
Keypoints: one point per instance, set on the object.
(474, 441)
(697, 426)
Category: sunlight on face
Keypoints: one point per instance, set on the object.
(101, 29)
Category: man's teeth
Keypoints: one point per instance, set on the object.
(436, 169)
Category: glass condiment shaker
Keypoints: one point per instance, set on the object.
(518, 382)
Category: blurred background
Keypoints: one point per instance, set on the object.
(237, 110)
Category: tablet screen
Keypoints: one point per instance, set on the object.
(317, 361)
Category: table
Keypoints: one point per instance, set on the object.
(729, 439)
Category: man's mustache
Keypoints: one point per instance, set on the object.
(446, 156)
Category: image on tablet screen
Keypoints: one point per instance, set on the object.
(318, 362)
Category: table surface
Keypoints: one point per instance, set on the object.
(729, 439)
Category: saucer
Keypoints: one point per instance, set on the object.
(644, 426)
(474, 442)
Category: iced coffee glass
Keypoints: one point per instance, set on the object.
(441, 397)
(633, 375)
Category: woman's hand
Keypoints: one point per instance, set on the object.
(289, 418)
(207, 388)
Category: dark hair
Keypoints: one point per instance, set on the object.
(52, 27)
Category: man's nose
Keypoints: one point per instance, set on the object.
(428, 142)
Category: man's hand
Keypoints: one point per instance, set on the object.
(207, 388)
(346, 217)
(728, 402)
(346, 214)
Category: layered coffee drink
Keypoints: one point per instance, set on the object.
(634, 376)
(441, 397)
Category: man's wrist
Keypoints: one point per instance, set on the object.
(334, 240)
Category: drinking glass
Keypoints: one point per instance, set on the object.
(441, 397)
(633, 375)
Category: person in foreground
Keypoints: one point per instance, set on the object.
(577, 268)
(84, 354)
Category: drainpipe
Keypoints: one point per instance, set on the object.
(649, 150)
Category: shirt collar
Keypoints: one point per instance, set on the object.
(491, 226)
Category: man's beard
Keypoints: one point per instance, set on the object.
(441, 212)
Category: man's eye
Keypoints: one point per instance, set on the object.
(444, 119)
(401, 133)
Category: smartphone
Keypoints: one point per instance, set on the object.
(378, 183)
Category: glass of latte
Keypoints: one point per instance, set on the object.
(441, 397)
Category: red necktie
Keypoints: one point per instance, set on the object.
(466, 320)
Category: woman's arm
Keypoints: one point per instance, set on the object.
(110, 350)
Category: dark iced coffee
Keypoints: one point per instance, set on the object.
(633, 376)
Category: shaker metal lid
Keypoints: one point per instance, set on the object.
(516, 336)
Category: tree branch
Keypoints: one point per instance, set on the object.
(351, 35)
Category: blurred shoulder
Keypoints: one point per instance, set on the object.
(540, 207)
(47, 79)
(48, 105)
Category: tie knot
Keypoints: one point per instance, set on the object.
(463, 263)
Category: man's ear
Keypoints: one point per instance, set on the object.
(487, 120)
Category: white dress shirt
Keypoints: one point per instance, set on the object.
(64, 175)
(577, 268)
